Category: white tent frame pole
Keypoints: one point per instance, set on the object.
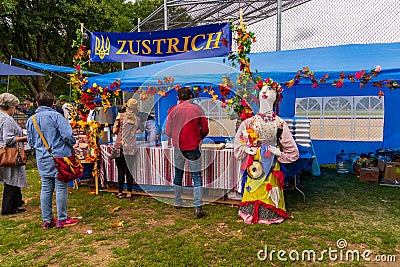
(165, 15)
(278, 25)
(138, 29)
(8, 77)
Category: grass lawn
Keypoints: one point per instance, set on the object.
(338, 206)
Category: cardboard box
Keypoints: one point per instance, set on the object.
(392, 171)
(369, 175)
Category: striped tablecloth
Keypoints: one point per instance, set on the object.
(155, 167)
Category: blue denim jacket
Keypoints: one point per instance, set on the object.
(58, 133)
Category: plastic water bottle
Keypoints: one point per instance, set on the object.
(342, 162)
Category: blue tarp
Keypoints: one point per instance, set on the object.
(49, 67)
(8, 70)
(282, 66)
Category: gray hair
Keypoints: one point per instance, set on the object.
(8, 101)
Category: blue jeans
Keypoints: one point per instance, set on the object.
(194, 157)
(46, 198)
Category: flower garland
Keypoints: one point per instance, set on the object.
(244, 40)
(86, 98)
(363, 77)
(83, 103)
(246, 85)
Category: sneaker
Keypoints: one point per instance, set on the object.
(68, 222)
(48, 225)
(199, 213)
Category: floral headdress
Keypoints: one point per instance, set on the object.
(276, 87)
(271, 84)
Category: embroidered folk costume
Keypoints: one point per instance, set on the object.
(262, 142)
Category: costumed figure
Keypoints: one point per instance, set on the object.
(262, 142)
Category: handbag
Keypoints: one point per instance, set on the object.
(115, 153)
(12, 156)
(68, 168)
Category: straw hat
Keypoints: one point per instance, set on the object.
(131, 103)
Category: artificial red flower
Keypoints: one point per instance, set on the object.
(268, 187)
(260, 84)
(244, 103)
(339, 84)
(224, 90)
(314, 85)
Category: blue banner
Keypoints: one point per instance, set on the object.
(186, 43)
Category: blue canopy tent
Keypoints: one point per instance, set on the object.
(49, 67)
(282, 66)
(9, 70)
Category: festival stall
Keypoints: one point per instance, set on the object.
(307, 72)
(282, 66)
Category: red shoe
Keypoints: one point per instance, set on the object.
(68, 222)
(48, 225)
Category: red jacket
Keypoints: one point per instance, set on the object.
(186, 125)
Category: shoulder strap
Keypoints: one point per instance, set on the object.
(41, 135)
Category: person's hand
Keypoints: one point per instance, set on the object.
(274, 150)
(250, 150)
(22, 139)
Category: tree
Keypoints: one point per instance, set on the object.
(43, 31)
(143, 8)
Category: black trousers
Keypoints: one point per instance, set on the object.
(123, 171)
(12, 199)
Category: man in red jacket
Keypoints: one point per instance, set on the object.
(187, 126)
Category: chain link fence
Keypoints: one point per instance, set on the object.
(320, 23)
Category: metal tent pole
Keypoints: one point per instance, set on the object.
(278, 25)
(8, 77)
(138, 29)
(165, 15)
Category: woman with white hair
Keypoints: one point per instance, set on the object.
(11, 134)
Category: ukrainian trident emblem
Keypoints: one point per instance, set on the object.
(102, 48)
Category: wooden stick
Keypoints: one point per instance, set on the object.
(240, 16)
